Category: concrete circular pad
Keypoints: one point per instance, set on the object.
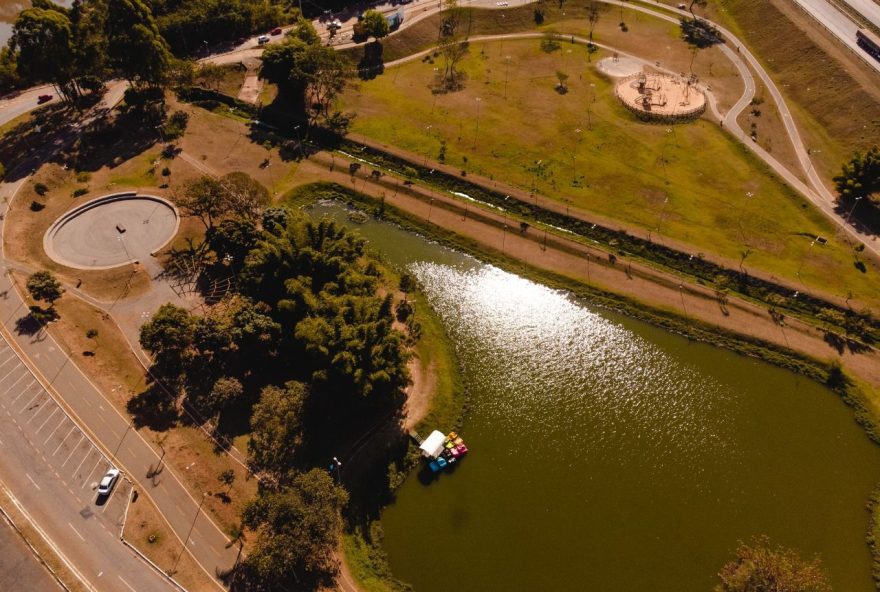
(111, 231)
(619, 67)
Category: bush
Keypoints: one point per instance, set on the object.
(83, 177)
(41, 189)
(175, 127)
(37, 206)
(80, 191)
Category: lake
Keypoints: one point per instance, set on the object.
(609, 455)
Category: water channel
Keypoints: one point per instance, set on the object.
(609, 455)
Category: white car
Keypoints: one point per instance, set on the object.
(108, 481)
(263, 39)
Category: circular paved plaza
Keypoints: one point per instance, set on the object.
(111, 231)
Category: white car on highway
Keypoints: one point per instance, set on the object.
(108, 481)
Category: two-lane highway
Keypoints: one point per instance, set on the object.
(50, 469)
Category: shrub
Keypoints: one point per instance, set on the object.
(83, 177)
(37, 206)
(41, 189)
(80, 191)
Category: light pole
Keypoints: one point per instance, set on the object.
(338, 465)
(477, 133)
(192, 526)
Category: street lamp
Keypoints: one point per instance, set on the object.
(338, 465)
(192, 526)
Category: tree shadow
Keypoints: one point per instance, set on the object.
(864, 214)
(371, 63)
(153, 408)
(35, 321)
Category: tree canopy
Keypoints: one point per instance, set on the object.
(760, 567)
(375, 24)
(42, 285)
(135, 46)
(298, 528)
(276, 429)
(860, 177)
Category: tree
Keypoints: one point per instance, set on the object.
(42, 285)
(860, 177)
(43, 40)
(205, 199)
(299, 527)
(407, 284)
(276, 429)
(225, 392)
(167, 336)
(375, 24)
(453, 46)
(93, 335)
(9, 78)
(593, 19)
(135, 46)
(561, 86)
(245, 196)
(758, 567)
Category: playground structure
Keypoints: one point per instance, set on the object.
(662, 97)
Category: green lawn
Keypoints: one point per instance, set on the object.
(692, 182)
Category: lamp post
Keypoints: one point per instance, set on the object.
(338, 466)
(192, 526)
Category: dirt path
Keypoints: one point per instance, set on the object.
(592, 266)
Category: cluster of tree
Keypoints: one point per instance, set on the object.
(189, 25)
(760, 567)
(305, 331)
(310, 75)
(452, 45)
(860, 178)
(76, 49)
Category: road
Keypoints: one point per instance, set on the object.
(18, 565)
(97, 417)
(839, 24)
(868, 9)
(51, 469)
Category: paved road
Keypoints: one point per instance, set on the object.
(868, 9)
(51, 468)
(839, 24)
(25, 101)
(101, 420)
(19, 568)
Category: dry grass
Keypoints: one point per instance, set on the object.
(835, 97)
(147, 530)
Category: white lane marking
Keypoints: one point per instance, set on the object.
(126, 583)
(76, 531)
(12, 357)
(39, 429)
(28, 404)
(62, 441)
(85, 458)
(60, 423)
(42, 406)
(86, 481)
(23, 392)
(74, 449)
(32, 480)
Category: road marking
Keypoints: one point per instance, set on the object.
(12, 357)
(28, 404)
(39, 429)
(82, 538)
(32, 480)
(11, 370)
(42, 406)
(62, 441)
(85, 458)
(86, 481)
(60, 423)
(126, 583)
(15, 383)
(25, 390)
(81, 437)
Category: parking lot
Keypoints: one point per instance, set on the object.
(68, 458)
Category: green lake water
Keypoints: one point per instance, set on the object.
(608, 455)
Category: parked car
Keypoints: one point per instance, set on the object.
(108, 481)
(276, 31)
(263, 39)
(43, 99)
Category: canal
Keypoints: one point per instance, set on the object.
(609, 455)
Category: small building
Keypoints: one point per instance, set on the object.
(432, 446)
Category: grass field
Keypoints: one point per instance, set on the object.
(691, 183)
